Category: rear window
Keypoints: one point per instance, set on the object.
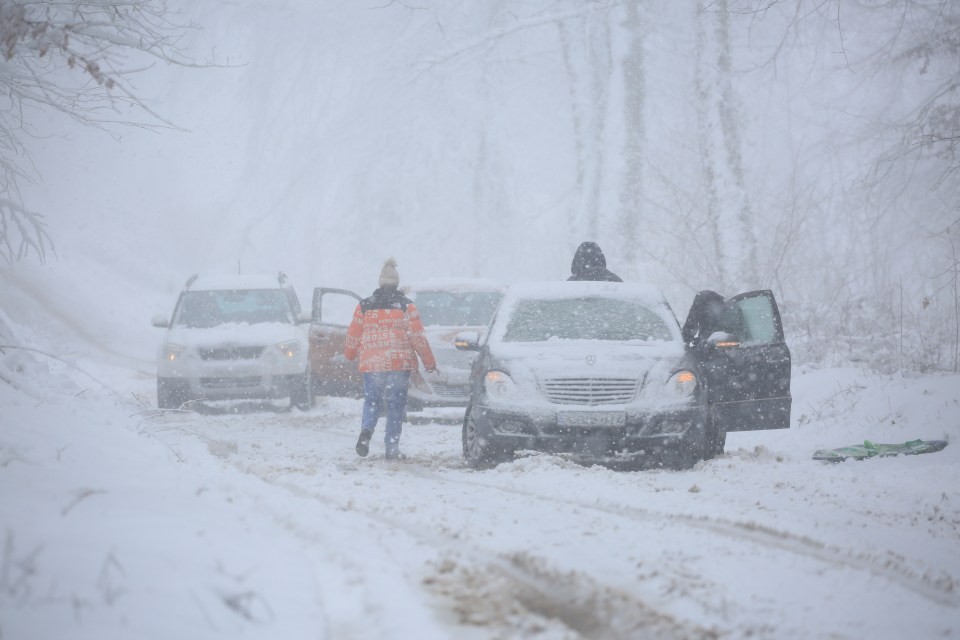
(204, 309)
(463, 309)
(584, 319)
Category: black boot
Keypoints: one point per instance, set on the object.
(363, 442)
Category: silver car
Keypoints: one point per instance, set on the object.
(602, 371)
(448, 306)
(234, 337)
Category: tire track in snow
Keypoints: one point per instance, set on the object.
(521, 591)
(534, 586)
(942, 589)
(571, 599)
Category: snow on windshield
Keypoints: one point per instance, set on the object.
(584, 311)
(453, 309)
(205, 309)
(584, 319)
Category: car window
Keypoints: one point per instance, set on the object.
(472, 308)
(584, 319)
(204, 309)
(336, 308)
(751, 320)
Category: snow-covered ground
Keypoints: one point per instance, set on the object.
(251, 521)
(460, 139)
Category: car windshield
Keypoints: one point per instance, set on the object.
(460, 309)
(584, 319)
(204, 309)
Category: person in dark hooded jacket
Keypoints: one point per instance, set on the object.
(704, 316)
(589, 263)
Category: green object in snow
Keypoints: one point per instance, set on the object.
(877, 450)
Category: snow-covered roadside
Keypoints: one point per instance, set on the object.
(118, 522)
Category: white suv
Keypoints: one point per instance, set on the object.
(234, 337)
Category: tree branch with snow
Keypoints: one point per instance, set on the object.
(70, 56)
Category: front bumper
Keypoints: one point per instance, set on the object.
(449, 388)
(640, 433)
(269, 375)
(234, 388)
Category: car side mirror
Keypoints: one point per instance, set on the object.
(160, 321)
(722, 340)
(467, 341)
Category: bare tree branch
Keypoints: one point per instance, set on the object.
(41, 41)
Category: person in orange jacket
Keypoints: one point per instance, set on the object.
(387, 335)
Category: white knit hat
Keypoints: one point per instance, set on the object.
(389, 275)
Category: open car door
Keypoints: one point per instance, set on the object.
(333, 374)
(744, 360)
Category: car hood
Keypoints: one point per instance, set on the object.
(236, 334)
(537, 362)
(441, 334)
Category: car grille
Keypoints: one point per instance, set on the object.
(230, 383)
(231, 353)
(454, 358)
(450, 390)
(589, 391)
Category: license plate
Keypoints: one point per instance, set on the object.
(591, 418)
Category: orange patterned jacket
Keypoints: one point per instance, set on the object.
(387, 334)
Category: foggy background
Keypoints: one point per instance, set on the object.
(805, 147)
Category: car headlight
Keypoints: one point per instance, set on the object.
(290, 348)
(498, 383)
(172, 352)
(682, 384)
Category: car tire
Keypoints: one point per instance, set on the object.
(302, 395)
(697, 444)
(478, 452)
(716, 438)
(169, 394)
(719, 441)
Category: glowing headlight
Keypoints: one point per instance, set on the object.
(172, 351)
(682, 384)
(290, 348)
(498, 383)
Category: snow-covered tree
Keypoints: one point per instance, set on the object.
(74, 57)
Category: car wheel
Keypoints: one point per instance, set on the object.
(169, 394)
(716, 438)
(477, 450)
(696, 445)
(719, 441)
(302, 395)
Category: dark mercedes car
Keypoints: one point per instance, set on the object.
(603, 371)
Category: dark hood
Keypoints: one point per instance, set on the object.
(588, 257)
(386, 297)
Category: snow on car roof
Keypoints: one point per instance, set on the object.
(455, 284)
(221, 282)
(642, 292)
(647, 295)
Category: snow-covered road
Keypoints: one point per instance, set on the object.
(264, 523)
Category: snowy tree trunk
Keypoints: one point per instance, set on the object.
(731, 218)
(577, 107)
(707, 128)
(631, 194)
(601, 65)
(589, 88)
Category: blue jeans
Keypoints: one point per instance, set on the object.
(388, 387)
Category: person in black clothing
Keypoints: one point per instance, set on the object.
(589, 263)
(704, 316)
